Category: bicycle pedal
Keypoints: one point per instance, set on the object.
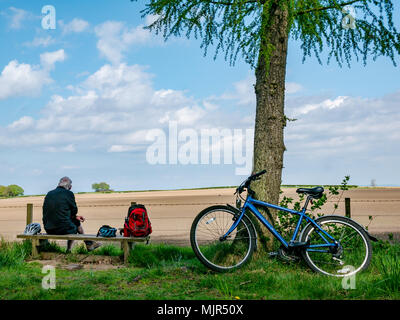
(284, 255)
(273, 254)
(288, 258)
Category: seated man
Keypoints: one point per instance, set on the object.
(60, 213)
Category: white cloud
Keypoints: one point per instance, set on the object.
(347, 126)
(186, 116)
(20, 79)
(114, 39)
(48, 59)
(112, 109)
(69, 167)
(121, 148)
(67, 148)
(75, 26)
(244, 94)
(36, 172)
(326, 104)
(293, 87)
(151, 18)
(41, 42)
(22, 123)
(18, 16)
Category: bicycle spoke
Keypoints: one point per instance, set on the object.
(229, 253)
(351, 252)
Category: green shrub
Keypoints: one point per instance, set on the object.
(287, 222)
(11, 191)
(101, 187)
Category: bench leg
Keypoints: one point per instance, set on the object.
(35, 244)
(126, 249)
(122, 245)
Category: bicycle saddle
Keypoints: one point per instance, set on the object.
(316, 192)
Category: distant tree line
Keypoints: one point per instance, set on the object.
(11, 191)
(101, 187)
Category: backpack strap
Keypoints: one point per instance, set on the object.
(135, 206)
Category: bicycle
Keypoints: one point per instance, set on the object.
(224, 237)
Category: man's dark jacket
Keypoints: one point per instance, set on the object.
(59, 209)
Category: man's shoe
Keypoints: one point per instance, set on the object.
(93, 246)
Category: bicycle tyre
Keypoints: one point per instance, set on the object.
(338, 264)
(217, 255)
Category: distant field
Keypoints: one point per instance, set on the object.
(172, 212)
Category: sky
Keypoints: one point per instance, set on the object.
(98, 98)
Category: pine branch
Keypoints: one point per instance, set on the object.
(231, 3)
(225, 3)
(339, 5)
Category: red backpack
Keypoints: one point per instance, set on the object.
(137, 223)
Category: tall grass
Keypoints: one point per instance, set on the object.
(159, 254)
(160, 271)
(14, 253)
(51, 246)
(387, 262)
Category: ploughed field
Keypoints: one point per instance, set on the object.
(172, 212)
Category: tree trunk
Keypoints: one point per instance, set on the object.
(270, 117)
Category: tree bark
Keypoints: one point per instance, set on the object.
(270, 119)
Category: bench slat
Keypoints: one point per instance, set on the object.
(82, 237)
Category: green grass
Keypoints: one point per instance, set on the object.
(13, 254)
(170, 272)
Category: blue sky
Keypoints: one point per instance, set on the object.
(79, 101)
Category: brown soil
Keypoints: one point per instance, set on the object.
(172, 212)
(78, 262)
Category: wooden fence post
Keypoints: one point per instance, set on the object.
(347, 207)
(29, 213)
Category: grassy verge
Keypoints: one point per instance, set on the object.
(169, 272)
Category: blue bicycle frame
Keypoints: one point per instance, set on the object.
(250, 204)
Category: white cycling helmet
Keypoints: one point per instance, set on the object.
(32, 228)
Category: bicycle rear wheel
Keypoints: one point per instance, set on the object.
(352, 253)
(216, 254)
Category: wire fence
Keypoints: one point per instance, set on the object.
(214, 203)
(191, 204)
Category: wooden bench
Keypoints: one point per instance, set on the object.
(126, 243)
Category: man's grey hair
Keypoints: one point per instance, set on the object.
(65, 182)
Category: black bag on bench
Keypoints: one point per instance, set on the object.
(106, 231)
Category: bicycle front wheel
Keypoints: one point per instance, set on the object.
(351, 253)
(216, 254)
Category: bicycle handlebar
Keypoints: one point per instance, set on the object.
(246, 183)
(256, 175)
